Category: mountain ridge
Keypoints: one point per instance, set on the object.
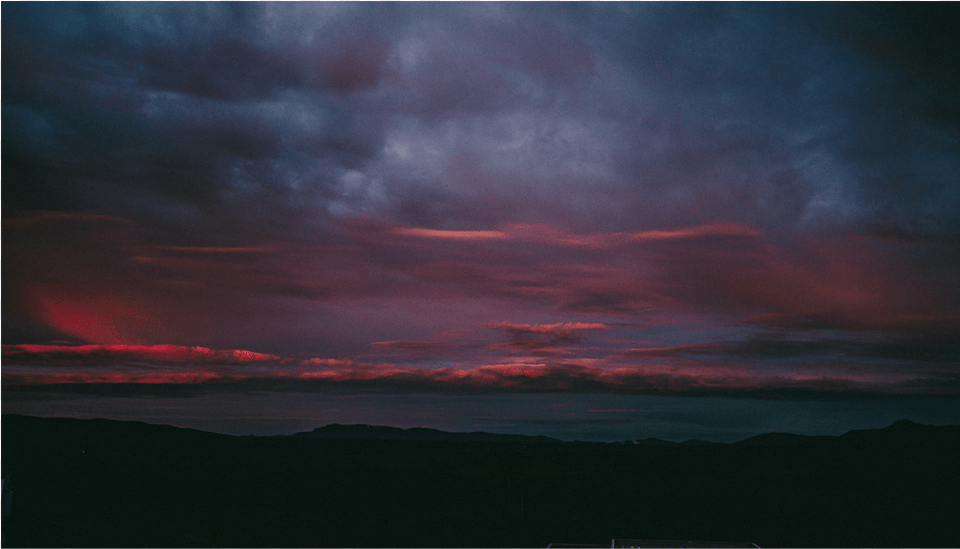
(901, 428)
(163, 486)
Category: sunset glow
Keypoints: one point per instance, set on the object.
(540, 202)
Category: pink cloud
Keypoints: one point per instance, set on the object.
(561, 338)
(189, 293)
(158, 354)
(841, 281)
(174, 365)
(393, 277)
(560, 329)
(325, 363)
(157, 378)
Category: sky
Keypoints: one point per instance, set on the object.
(594, 221)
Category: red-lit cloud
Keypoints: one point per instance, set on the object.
(159, 354)
(544, 339)
(560, 330)
(721, 272)
(229, 370)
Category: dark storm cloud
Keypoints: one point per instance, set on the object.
(183, 117)
(823, 123)
(691, 113)
(903, 137)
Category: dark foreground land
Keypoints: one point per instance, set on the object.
(98, 483)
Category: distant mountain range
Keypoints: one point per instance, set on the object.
(902, 430)
(377, 432)
(898, 430)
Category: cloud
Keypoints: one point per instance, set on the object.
(689, 115)
(702, 231)
(684, 185)
(232, 370)
(526, 378)
(561, 331)
(452, 235)
(926, 349)
(130, 364)
(409, 345)
(562, 338)
(84, 354)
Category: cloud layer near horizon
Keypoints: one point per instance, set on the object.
(112, 369)
(724, 199)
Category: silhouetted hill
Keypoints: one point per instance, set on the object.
(67, 436)
(99, 483)
(658, 441)
(778, 439)
(902, 432)
(697, 442)
(653, 441)
(375, 432)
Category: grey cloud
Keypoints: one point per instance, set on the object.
(247, 122)
(682, 113)
(180, 108)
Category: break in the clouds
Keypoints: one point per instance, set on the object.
(683, 199)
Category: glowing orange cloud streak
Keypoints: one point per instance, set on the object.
(552, 236)
(451, 235)
(700, 231)
(558, 328)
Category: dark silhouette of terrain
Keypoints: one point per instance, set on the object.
(100, 483)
